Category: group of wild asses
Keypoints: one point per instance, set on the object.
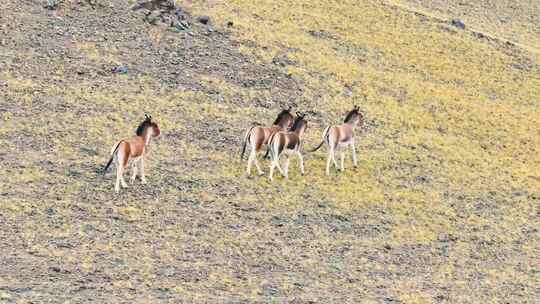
(283, 138)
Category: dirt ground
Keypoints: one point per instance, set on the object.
(203, 232)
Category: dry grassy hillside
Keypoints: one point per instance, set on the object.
(508, 20)
(444, 207)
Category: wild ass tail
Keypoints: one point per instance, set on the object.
(324, 139)
(269, 146)
(112, 157)
(246, 140)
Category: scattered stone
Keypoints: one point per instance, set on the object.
(153, 17)
(120, 70)
(203, 19)
(458, 23)
(154, 5)
(180, 25)
(282, 60)
(53, 4)
(320, 34)
(55, 269)
(479, 35)
(230, 24)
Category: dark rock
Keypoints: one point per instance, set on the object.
(282, 60)
(120, 69)
(479, 35)
(320, 34)
(53, 4)
(230, 24)
(154, 5)
(458, 23)
(203, 19)
(55, 269)
(153, 17)
(180, 25)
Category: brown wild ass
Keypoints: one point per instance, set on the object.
(341, 136)
(258, 136)
(132, 148)
(287, 143)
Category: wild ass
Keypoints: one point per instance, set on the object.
(341, 136)
(287, 143)
(132, 148)
(258, 136)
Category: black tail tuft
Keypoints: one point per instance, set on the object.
(107, 165)
(246, 140)
(111, 159)
(316, 148)
(325, 138)
(267, 152)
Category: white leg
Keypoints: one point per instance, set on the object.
(122, 180)
(143, 177)
(354, 155)
(334, 159)
(278, 165)
(251, 157)
(118, 177)
(257, 165)
(120, 170)
(301, 161)
(134, 175)
(286, 167)
(342, 155)
(328, 162)
(275, 158)
(272, 165)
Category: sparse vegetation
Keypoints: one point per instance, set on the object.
(442, 209)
